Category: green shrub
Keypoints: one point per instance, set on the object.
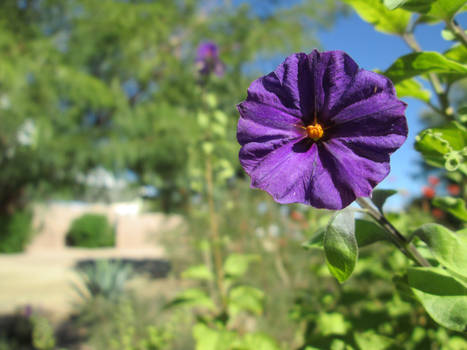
(15, 231)
(91, 231)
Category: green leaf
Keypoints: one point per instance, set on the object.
(393, 4)
(246, 298)
(379, 197)
(257, 341)
(384, 20)
(442, 296)
(331, 323)
(449, 35)
(317, 240)
(455, 206)
(236, 265)
(192, 297)
(419, 63)
(443, 147)
(442, 9)
(371, 340)
(368, 232)
(212, 339)
(412, 88)
(457, 53)
(449, 248)
(340, 245)
(198, 272)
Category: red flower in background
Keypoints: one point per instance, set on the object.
(433, 180)
(428, 192)
(454, 190)
(437, 213)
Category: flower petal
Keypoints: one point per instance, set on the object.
(289, 88)
(381, 114)
(352, 175)
(351, 87)
(284, 172)
(262, 123)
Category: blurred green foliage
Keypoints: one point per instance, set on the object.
(91, 231)
(15, 231)
(113, 83)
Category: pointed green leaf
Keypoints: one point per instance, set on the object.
(455, 206)
(379, 197)
(384, 20)
(236, 265)
(412, 88)
(442, 296)
(442, 9)
(340, 245)
(449, 248)
(199, 272)
(419, 63)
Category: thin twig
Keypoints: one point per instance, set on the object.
(214, 230)
(441, 93)
(394, 235)
(458, 31)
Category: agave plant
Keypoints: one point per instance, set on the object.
(104, 278)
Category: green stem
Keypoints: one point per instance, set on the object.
(394, 235)
(214, 230)
(441, 93)
(458, 32)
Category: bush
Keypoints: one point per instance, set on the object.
(15, 231)
(91, 231)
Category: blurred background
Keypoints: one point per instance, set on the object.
(122, 202)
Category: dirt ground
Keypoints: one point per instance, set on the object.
(44, 275)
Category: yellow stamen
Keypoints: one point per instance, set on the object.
(315, 131)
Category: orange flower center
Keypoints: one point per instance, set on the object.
(314, 131)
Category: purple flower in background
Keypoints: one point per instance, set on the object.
(207, 59)
(319, 130)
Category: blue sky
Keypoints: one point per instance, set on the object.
(371, 49)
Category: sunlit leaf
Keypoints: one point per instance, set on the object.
(236, 265)
(443, 147)
(340, 245)
(384, 20)
(371, 340)
(442, 9)
(258, 341)
(332, 323)
(419, 63)
(212, 339)
(442, 296)
(449, 248)
(412, 88)
(192, 297)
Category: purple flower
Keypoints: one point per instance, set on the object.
(319, 130)
(207, 59)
